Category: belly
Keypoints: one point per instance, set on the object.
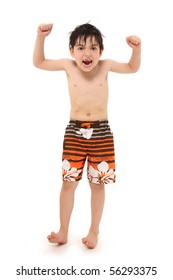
(90, 109)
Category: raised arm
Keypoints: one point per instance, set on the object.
(134, 63)
(39, 59)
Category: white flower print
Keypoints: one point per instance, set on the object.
(86, 132)
(103, 175)
(69, 174)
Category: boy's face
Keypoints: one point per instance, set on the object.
(86, 54)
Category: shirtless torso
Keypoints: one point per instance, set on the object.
(87, 82)
(88, 94)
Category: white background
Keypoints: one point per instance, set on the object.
(136, 228)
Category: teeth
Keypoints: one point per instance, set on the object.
(87, 61)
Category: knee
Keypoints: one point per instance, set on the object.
(97, 187)
(69, 186)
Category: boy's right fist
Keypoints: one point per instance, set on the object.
(44, 29)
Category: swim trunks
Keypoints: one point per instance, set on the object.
(92, 141)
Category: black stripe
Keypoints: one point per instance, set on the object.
(95, 130)
(96, 138)
(102, 134)
(87, 150)
(75, 150)
(81, 141)
(73, 160)
(105, 155)
(73, 128)
(97, 162)
(67, 144)
(108, 139)
(92, 123)
(94, 135)
(74, 154)
(91, 155)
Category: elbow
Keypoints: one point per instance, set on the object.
(36, 64)
(134, 69)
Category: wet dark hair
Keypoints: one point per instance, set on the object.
(83, 32)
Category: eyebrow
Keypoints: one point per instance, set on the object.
(92, 45)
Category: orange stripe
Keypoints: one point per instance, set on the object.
(111, 164)
(66, 150)
(72, 144)
(88, 140)
(86, 150)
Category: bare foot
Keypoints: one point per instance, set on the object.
(90, 240)
(59, 238)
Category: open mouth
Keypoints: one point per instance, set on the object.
(87, 62)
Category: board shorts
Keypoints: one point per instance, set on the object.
(92, 141)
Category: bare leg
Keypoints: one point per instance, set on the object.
(66, 207)
(97, 204)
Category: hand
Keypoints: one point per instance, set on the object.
(44, 29)
(133, 41)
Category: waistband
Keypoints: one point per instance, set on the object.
(88, 124)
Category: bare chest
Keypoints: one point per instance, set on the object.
(90, 84)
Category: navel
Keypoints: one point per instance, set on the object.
(88, 115)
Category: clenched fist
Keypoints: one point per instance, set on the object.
(133, 41)
(44, 29)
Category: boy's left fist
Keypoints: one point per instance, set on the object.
(133, 41)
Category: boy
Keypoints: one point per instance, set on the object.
(88, 134)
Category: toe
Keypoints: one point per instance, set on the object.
(84, 240)
(90, 245)
(51, 240)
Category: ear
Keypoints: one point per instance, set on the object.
(101, 51)
(71, 52)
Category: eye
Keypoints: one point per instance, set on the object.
(94, 48)
(80, 48)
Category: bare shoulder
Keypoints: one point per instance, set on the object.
(60, 64)
(68, 63)
(105, 63)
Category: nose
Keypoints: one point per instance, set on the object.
(87, 52)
